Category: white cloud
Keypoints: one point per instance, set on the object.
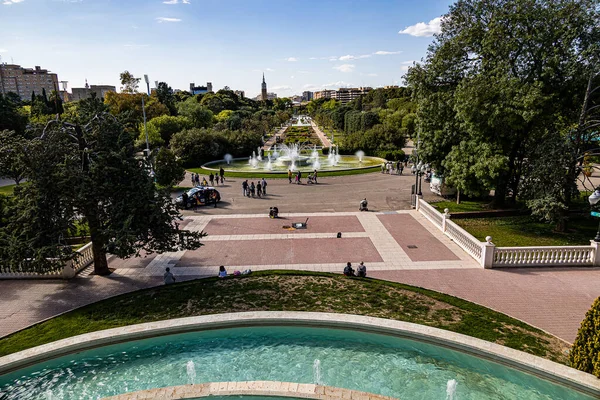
(292, 77)
(11, 2)
(386, 53)
(371, 74)
(176, 2)
(313, 58)
(3, 50)
(291, 59)
(424, 29)
(167, 19)
(338, 84)
(349, 57)
(303, 72)
(345, 67)
(283, 87)
(269, 69)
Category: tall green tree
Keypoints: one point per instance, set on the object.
(91, 171)
(129, 83)
(13, 156)
(165, 96)
(12, 116)
(501, 74)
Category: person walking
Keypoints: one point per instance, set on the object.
(259, 189)
(193, 179)
(222, 174)
(290, 175)
(204, 182)
(252, 188)
(264, 186)
(211, 178)
(315, 176)
(299, 178)
(245, 188)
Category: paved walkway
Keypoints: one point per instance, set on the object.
(399, 246)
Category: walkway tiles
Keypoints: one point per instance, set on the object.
(416, 241)
(265, 225)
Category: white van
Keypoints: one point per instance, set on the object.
(438, 186)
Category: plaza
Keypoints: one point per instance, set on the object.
(395, 242)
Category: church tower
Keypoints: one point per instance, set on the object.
(263, 91)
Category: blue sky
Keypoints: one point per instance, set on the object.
(299, 45)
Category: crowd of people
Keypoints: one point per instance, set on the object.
(212, 178)
(391, 167)
(252, 190)
(297, 177)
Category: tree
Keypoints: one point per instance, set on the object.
(129, 84)
(128, 109)
(13, 160)
(92, 171)
(585, 354)
(165, 96)
(169, 171)
(505, 93)
(161, 129)
(196, 113)
(12, 117)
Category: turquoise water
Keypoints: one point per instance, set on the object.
(355, 360)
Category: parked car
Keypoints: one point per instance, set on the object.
(199, 195)
(438, 186)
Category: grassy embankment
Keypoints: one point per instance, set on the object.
(293, 291)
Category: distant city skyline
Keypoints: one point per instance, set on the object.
(306, 46)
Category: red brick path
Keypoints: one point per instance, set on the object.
(407, 231)
(551, 299)
(262, 226)
(281, 252)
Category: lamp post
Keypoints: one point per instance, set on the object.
(594, 199)
(421, 169)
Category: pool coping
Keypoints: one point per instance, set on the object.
(251, 388)
(537, 366)
(207, 167)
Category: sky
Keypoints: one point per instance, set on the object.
(299, 45)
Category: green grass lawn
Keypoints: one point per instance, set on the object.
(7, 190)
(293, 291)
(528, 231)
(283, 175)
(464, 206)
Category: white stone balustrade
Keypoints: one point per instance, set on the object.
(489, 256)
(83, 258)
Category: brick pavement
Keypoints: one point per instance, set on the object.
(553, 300)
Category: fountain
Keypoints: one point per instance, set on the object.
(228, 157)
(269, 163)
(191, 372)
(259, 156)
(360, 154)
(317, 372)
(451, 389)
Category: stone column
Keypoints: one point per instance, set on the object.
(596, 256)
(487, 253)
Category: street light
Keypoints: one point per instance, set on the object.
(144, 114)
(594, 199)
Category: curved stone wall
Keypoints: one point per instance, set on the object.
(251, 388)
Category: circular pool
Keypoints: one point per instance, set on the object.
(348, 355)
(303, 163)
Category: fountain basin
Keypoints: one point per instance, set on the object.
(384, 357)
(345, 163)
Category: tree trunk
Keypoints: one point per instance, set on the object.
(100, 261)
(458, 196)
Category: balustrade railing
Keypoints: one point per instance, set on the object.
(543, 256)
(490, 256)
(84, 258)
(464, 239)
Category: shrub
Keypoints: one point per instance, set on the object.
(585, 354)
(390, 155)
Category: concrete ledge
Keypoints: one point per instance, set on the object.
(528, 363)
(250, 388)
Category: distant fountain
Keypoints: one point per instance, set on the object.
(269, 163)
(317, 372)
(228, 157)
(259, 156)
(451, 389)
(315, 153)
(360, 154)
(254, 160)
(191, 372)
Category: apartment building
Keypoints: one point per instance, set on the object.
(324, 94)
(86, 92)
(201, 89)
(345, 95)
(24, 81)
(307, 96)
